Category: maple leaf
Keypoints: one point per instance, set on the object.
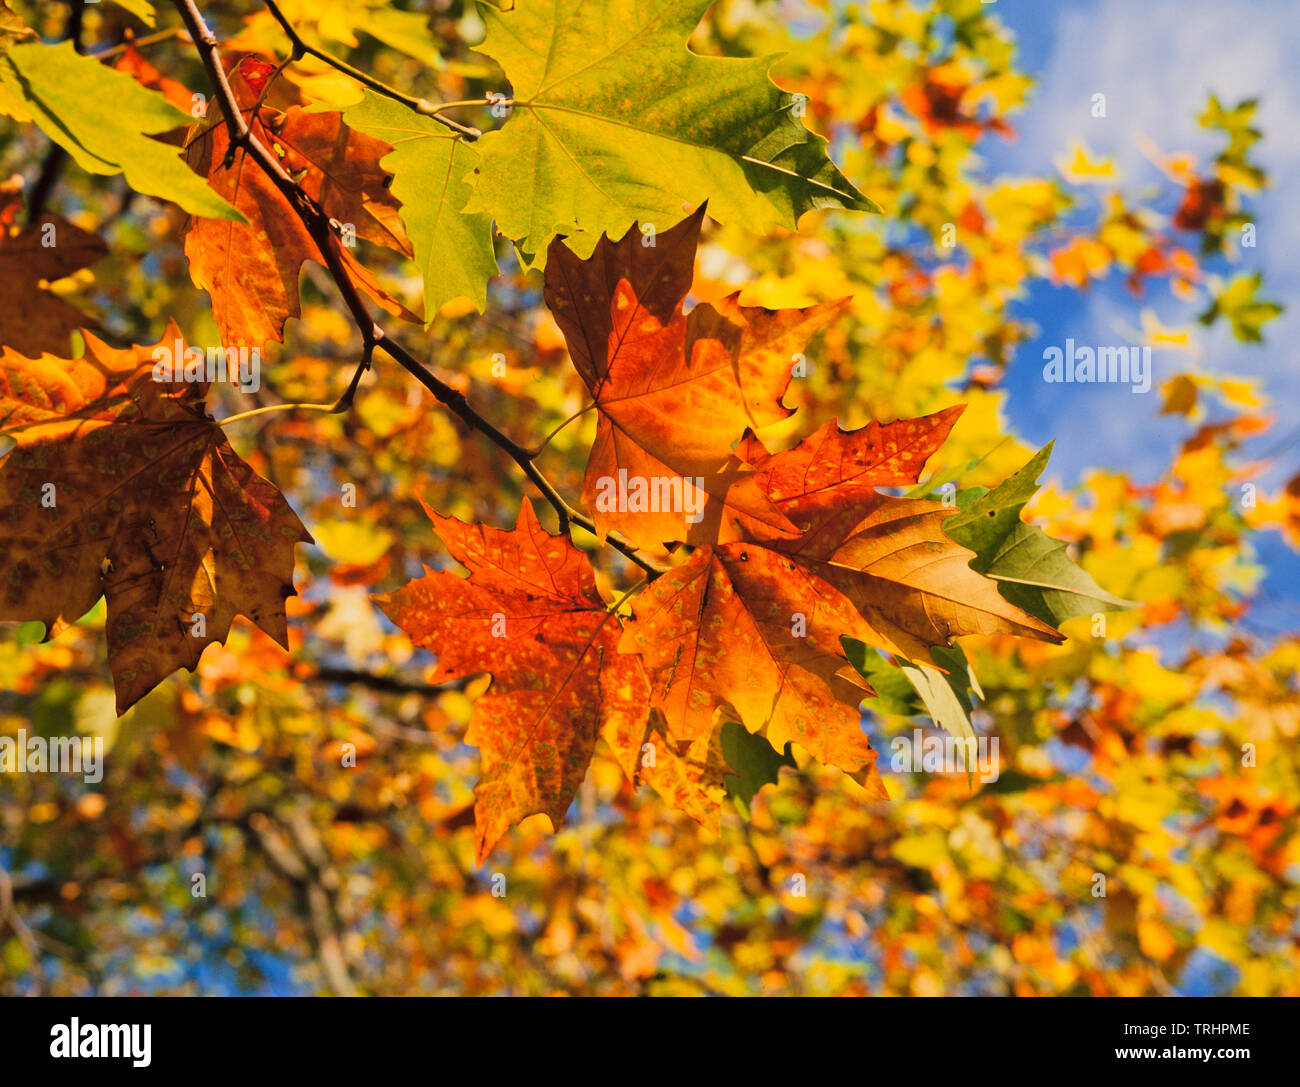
(675, 391)
(832, 467)
(530, 615)
(756, 629)
(32, 318)
(138, 68)
(1034, 570)
(742, 627)
(692, 779)
(104, 120)
(431, 167)
(121, 486)
(615, 119)
(911, 584)
(251, 269)
(909, 581)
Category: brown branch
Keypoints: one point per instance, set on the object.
(386, 684)
(56, 156)
(323, 231)
(295, 853)
(11, 919)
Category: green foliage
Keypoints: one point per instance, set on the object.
(1034, 571)
(1240, 305)
(430, 166)
(594, 143)
(907, 689)
(104, 119)
(755, 762)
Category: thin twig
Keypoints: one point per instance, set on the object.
(551, 436)
(10, 918)
(455, 401)
(274, 407)
(350, 393)
(138, 43)
(322, 230)
(384, 684)
(419, 105)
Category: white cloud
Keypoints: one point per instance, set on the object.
(1156, 62)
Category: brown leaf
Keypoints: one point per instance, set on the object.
(32, 318)
(121, 486)
(909, 581)
(578, 292)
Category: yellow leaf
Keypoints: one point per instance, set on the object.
(1080, 168)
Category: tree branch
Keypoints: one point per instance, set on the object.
(323, 231)
(385, 684)
(419, 105)
(294, 851)
(56, 156)
(11, 919)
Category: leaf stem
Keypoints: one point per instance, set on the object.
(432, 109)
(419, 105)
(273, 407)
(576, 415)
(613, 608)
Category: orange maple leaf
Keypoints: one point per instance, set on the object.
(530, 614)
(675, 391)
(123, 487)
(910, 583)
(832, 467)
(754, 629)
(743, 628)
(133, 63)
(251, 269)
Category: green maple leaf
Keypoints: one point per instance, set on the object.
(615, 121)
(907, 689)
(103, 119)
(753, 763)
(453, 249)
(1033, 570)
(1246, 312)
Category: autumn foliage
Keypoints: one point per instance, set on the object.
(602, 437)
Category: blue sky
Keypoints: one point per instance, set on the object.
(1156, 61)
